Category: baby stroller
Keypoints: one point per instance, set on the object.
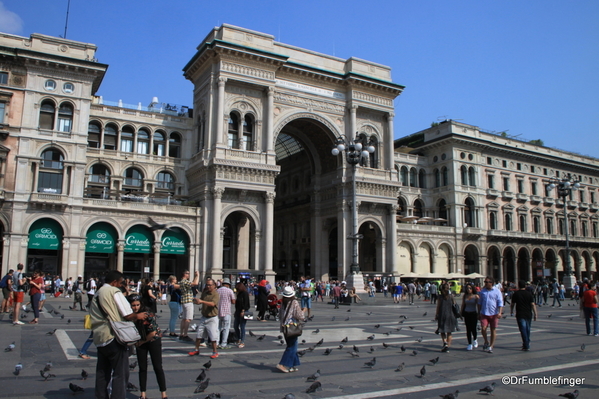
(274, 304)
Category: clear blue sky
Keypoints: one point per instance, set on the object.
(530, 67)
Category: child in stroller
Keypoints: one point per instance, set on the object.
(274, 304)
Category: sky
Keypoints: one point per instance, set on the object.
(529, 68)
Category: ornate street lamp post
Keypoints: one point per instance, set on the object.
(357, 152)
(564, 189)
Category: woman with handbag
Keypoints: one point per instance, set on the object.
(445, 317)
(291, 317)
(242, 305)
(150, 343)
(470, 315)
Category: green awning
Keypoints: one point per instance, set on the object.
(45, 234)
(174, 242)
(139, 240)
(101, 238)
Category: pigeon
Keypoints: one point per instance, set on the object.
(69, 321)
(18, 369)
(414, 352)
(453, 395)
(419, 340)
(333, 318)
(313, 377)
(281, 342)
(403, 349)
(423, 371)
(84, 375)
(260, 338)
(371, 350)
(251, 333)
(354, 354)
(133, 365)
(51, 332)
(400, 367)
(279, 337)
(10, 347)
(570, 395)
(75, 388)
(310, 349)
(45, 375)
(349, 310)
(434, 361)
(370, 338)
(340, 346)
(208, 364)
(301, 353)
(347, 319)
(303, 341)
(356, 349)
(401, 321)
(289, 396)
(327, 351)
(425, 313)
(157, 226)
(387, 333)
(214, 396)
(315, 385)
(202, 387)
(48, 366)
(377, 325)
(488, 389)
(371, 363)
(59, 306)
(61, 317)
(411, 327)
(202, 376)
(368, 313)
(549, 315)
(320, 342)
(344, 340)
(131, 387)
(316, 331)
(386, 345)
(582, 347)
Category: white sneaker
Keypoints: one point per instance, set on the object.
(475, 344)
(24, 307)
(469, 347)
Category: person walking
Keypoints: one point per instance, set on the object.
(446, 321)
(209, 321)
(589, 305)
(556, 294)
(150, 343)
(78, 293)
(226, 299)
(336, 292)
(242, 305)
(490, 308)
(306, 293)
(289, 312)
(6, 285)
(36, 285)
(262, 301)
(411, 292)
(185, 286)
(18, 292)
(433, 291)
(148, 295)
(113, 365)
(91, 291)
(174, 304)
(526, 311)
(470, 315)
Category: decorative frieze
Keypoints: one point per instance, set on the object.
(358, 95)
(308, 103)
(248, 71)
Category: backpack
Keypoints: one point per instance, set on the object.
(88, 285)
(4, 282)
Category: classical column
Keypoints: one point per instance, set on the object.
(392, 237)
(433, 262)
(353, 124)
(81, 257)
(414, 262)
(220, 110)
(216, 266)
(388, 142)
(383, 245)
(267, 229)
(156, 247)
(120, 254)
(270, 94)
(64, 269)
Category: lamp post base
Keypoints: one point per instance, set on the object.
(569, 282)
(355, 280)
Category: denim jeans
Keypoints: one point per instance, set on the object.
(556, 297)
(524, 327)
(587, 319)
(239, 326)
(174, 307)
(35, 304)
(224, 325)
(87, 344)
(290, 357)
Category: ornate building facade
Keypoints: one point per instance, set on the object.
(245, 180)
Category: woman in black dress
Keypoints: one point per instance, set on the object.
(147, 295)
(262, 300)
(444, 315)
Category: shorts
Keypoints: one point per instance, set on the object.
(492, 321)
(43, 297)
(187, 311)
(6, 293)
(306, 302)
(163, 298)
(18, 296)
(210, 325)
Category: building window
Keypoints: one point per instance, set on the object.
(581, 195)
(520, 186)
(110, 137)
(50, 172)
(47, 111)
(133, 179)
(418, 208)
(437, 178)
(506, 184)
(522, 222)
(93, 135)
(174, 145)
(532, 168)
(68, 87)
(592, 197)
(98, 182)
(472, 176)
(373, 158)
(165, 181)
(470, 213)
(595, 228)
(545, 171)
(533, 188)
(519, 166)
(3, 78)
(584, 229)
(413, 177)
(127, 139)
(2, 112)
(65, 117)
(445, 176)
(504, 163)
(508, 221)
(549, 226)
(536, 224)
(248, 133)
(50, 85)
(159, 143)
(491, 181)
(403, 176)
(143, 142)
(489, 161)
(493, 220)
(233, 134)
(464, 174)
(421, 179)
(573, 228)
(560, 223)
(443, 209)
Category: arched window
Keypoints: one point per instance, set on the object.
(51, 172)
(373, 159)
(159, 143)
(437, 178)
(143, 141)
(522, 223)
(469, 213)
(110, 133)
(549, 226)
(443, 209)
(536, 224)
(508, 221)
(127, 139)
(174, 145)
(595, 229)
(403, 176)
(584, 229)
(472, 176)
(418, 208)
(464, 173)
(402, 208)
(445, 176)
(233, 133)
(200, 136)
(560, 224)
(65, 117)
(98, 182)
(413, 178)
(133, 179)
(165, 181)
(248, 133)
(421, 179)
(93, 135)
(573, 227)
(47, 111)
(493, 220)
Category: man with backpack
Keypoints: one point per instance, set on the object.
(78, 293)
(18, 292)
(90, 289)
(6, 285)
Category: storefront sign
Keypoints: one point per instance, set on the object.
(174, 242)
(100, 239)
(45, 234)
(139, 240)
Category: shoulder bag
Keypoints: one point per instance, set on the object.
(124, 332)
(455, 308)
(293, 328)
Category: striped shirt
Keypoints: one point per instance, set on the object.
(186, 293)
(226, 297)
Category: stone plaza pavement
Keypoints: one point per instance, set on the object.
(249, 373)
